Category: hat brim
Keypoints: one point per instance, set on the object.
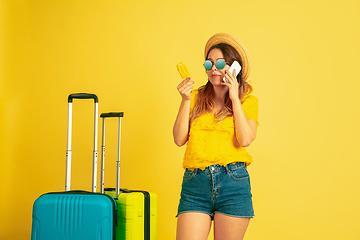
(237, 45)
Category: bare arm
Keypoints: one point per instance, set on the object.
(245, 130)
(181, 126)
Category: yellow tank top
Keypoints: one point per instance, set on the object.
(211, 142)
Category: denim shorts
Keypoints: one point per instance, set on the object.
(217, 189)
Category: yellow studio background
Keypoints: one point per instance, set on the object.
(305, 72)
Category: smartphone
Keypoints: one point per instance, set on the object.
(233, 66)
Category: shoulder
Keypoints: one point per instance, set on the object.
(249, 100)
(194, 93)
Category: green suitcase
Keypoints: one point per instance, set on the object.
(137, 214)
(137, 210)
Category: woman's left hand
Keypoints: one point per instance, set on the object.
(232, 84)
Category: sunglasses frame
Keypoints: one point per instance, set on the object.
(220, 62)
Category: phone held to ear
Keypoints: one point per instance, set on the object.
(233, 66)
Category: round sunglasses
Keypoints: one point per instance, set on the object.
(220, 64)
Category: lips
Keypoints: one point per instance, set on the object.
(216, 75)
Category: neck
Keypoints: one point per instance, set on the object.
(220, 92)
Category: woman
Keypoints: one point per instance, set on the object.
(217, 122)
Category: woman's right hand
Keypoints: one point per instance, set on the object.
(185, 88)
(181, 126)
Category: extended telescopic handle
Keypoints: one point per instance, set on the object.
(68, 150)
(119, 115)
(83, 96)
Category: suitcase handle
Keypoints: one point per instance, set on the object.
(83, 96)
(68, 150)
(112, 114)
(119, 115)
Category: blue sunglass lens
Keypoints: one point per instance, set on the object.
(208, 64)
(220, 63)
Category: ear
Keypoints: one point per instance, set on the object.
(239, 79)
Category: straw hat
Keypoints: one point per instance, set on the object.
(237, 45)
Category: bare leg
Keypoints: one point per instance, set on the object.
(229, 228)
(193, 226)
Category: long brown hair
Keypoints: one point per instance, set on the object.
(204, 102)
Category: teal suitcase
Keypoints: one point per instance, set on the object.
(75, 215)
